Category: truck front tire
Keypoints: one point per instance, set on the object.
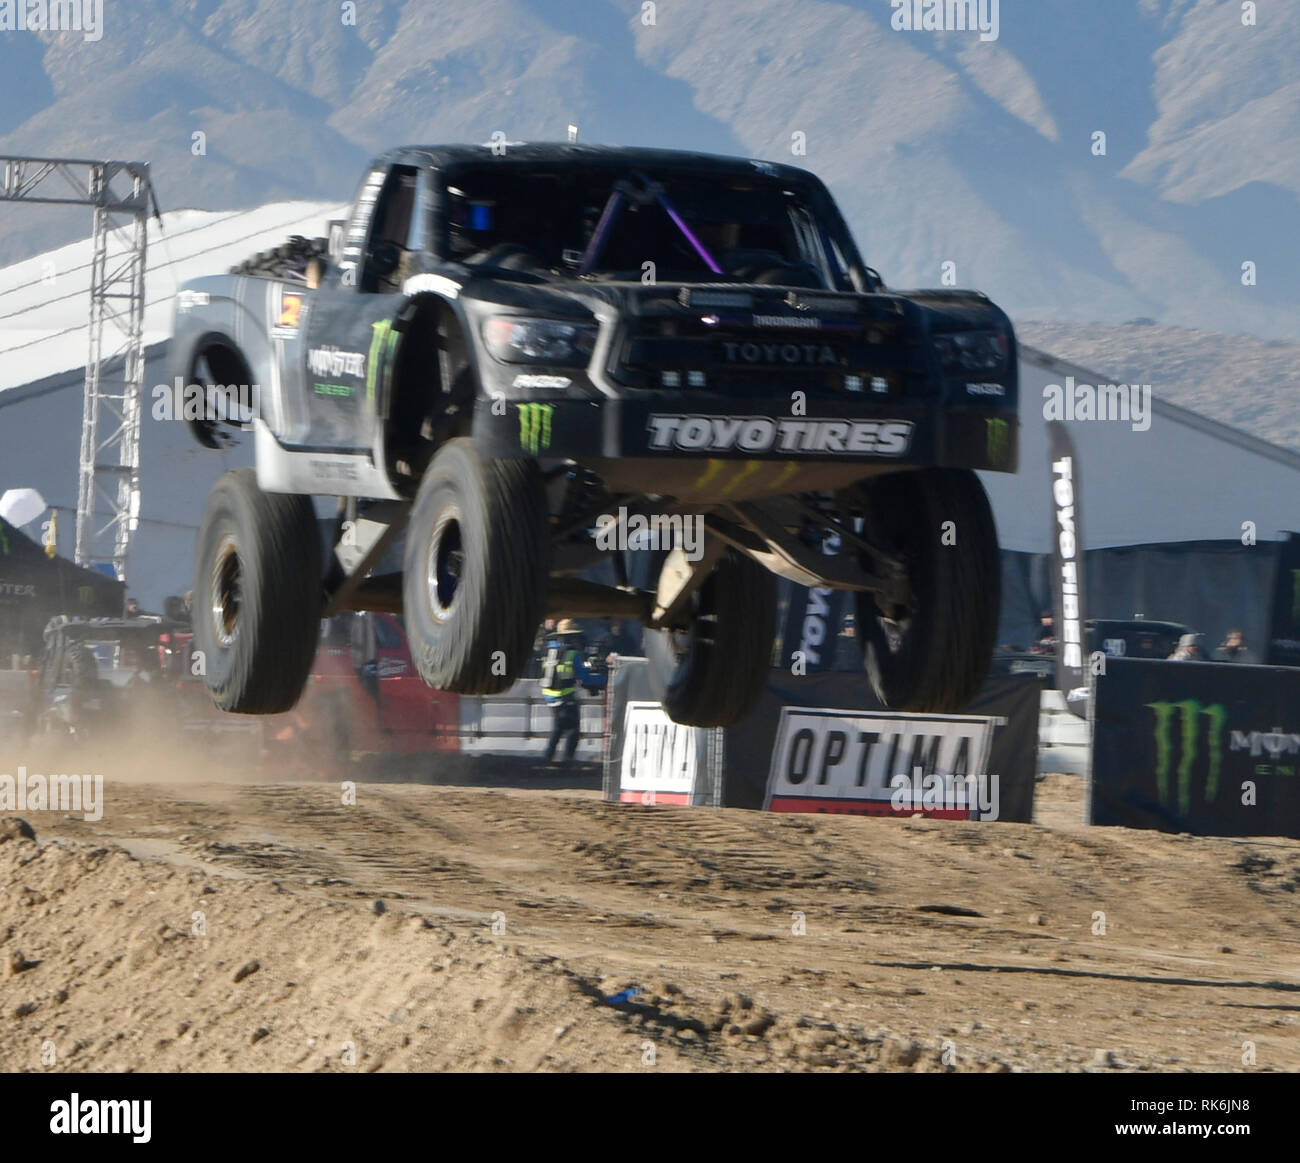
(257, 595)
(475, 570)
(934, 655)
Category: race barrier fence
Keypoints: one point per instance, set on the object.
(1202, 747)
(823, 743)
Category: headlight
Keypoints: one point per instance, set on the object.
(514, 340)
(972, 351)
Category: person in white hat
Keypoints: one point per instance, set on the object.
(562, 673)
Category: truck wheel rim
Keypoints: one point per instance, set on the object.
(446, 563)
(226, 592)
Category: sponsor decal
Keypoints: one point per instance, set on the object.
(821, 614)
(330, 361)
(187, 300)
(793, 354)
(388, 667)
(287, 312)
(842, 760)
(383, 342)
(333, 470)
(806, 321)
(541, 381)
(658, 761)
(995, 439)
(986, 389)
(13, 590)
(332, 389)
(86, 594)
(535, 426)
(786, 434)
(1068, 545)
(1194, 722)
(435, 284)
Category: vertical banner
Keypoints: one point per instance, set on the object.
(1067, 569)
(812, 623)
(1284, 631)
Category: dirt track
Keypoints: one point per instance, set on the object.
(924, 940)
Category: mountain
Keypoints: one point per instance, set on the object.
(942, 147)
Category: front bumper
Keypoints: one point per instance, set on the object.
(665, 426)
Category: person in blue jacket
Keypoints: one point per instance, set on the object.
(563, 670)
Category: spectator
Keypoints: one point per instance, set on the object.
(1188, 649)
(562, 672)
(1234, 649)
(615, 640)
(132, 608)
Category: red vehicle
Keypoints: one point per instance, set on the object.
(365, 697)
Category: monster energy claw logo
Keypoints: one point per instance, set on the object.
(383, 340)
(996, 437)
(1190, 714)
(535, 426)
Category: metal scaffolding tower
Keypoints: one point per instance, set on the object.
(120, 195)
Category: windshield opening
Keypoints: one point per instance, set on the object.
(669, 227)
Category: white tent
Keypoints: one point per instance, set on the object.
(1185, 478)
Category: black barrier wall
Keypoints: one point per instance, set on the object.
(823, 743)
(1201, 747)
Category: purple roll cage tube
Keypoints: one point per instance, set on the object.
(611, 212)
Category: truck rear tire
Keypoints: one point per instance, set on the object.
(475, 569)
(712, 675)
(935, 655)
(257, 595)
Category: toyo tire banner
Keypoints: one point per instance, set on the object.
(1209, 748)
(1068, 569)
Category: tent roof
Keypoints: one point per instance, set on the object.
(1186, 478)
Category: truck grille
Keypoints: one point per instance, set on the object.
(834, 358)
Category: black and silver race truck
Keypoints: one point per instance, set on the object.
(543, 364)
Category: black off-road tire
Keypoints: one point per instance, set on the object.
(257, 595)
(713, 674)
(937, 653)
(289, 261)
(475, 569)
